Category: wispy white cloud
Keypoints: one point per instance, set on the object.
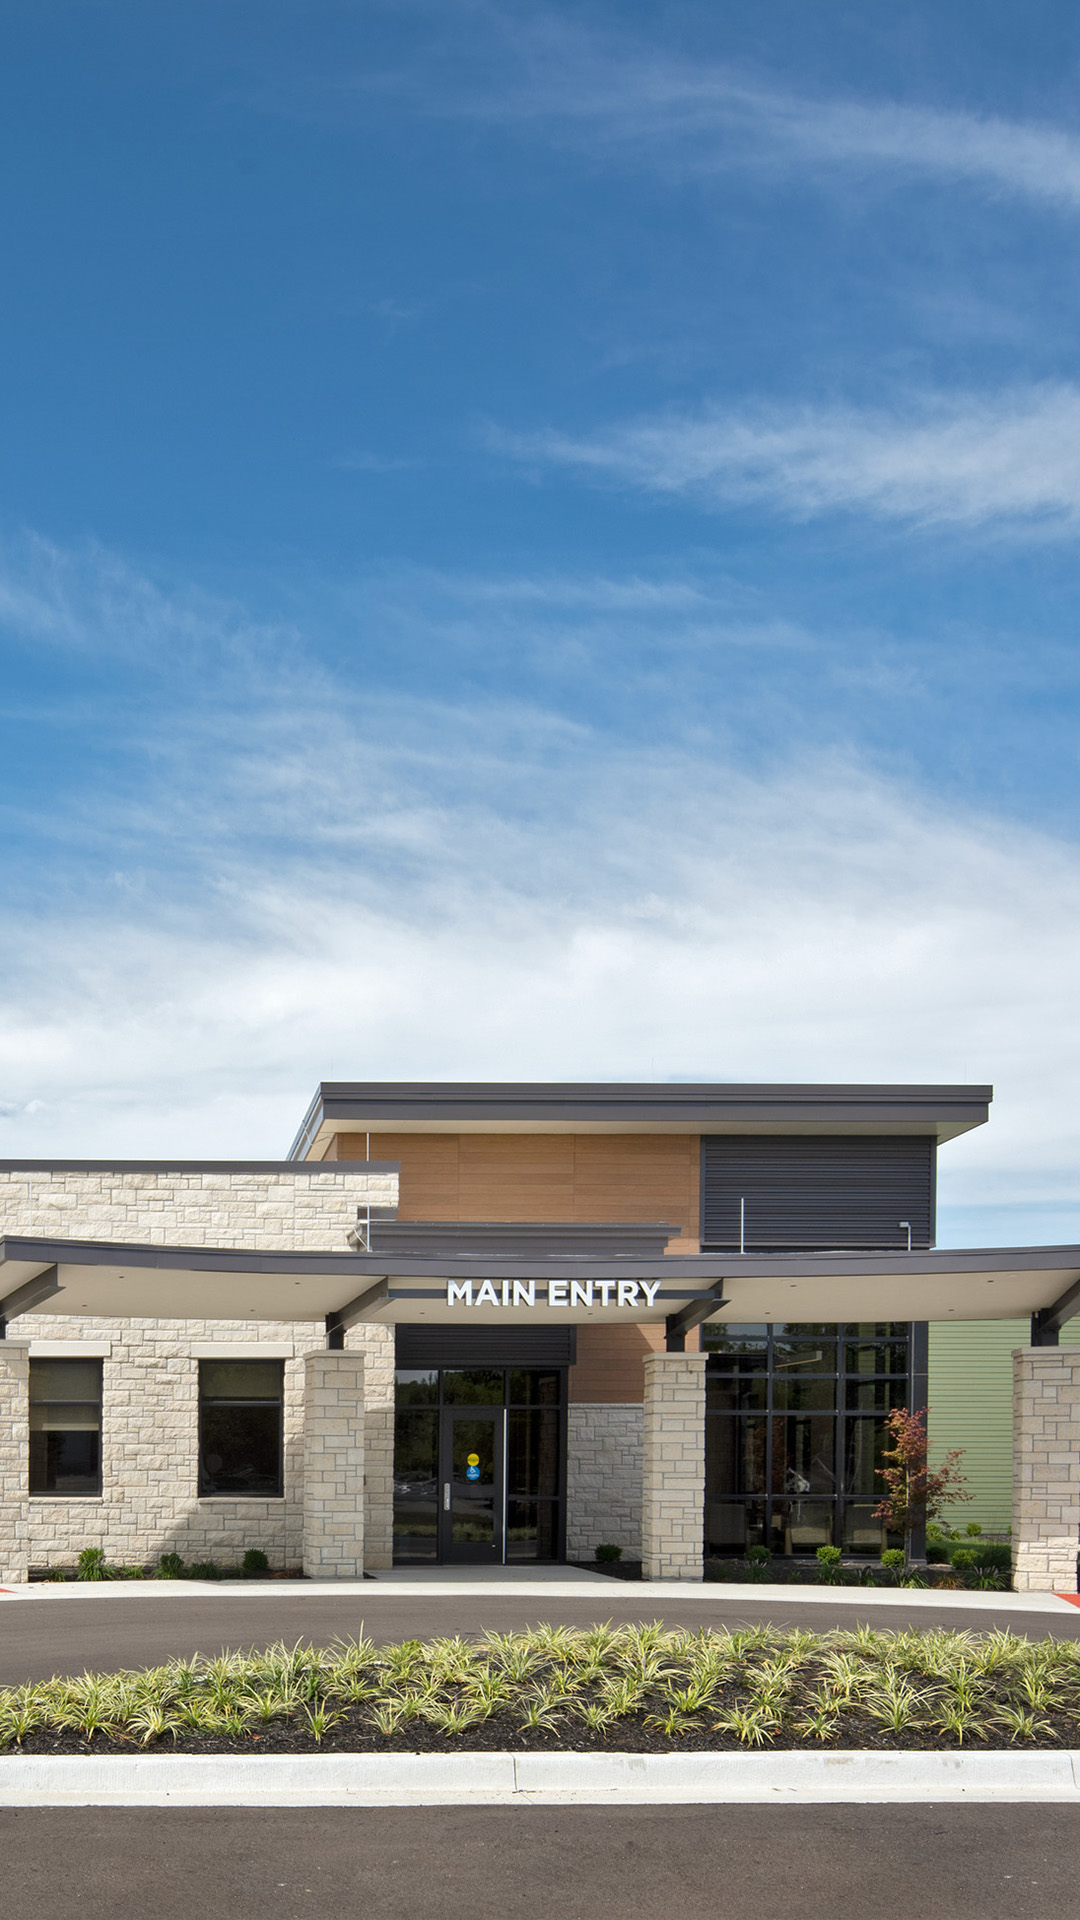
(320, 881)
(961, 461)
(638, 103)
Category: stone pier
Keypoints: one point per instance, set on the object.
(1046, 1469)
(334, 1466)
(14, 1461)
(673, 1467)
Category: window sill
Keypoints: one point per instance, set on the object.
(67, 1496)
(211, 1499)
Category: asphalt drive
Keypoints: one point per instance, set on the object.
(51, 1633)
(477, 1863)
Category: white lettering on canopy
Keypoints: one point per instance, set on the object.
(560, 1293)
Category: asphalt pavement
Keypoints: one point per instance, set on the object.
(61, 1633)
(454, 1863)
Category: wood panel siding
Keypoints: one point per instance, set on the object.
(428, 1188)
(541, 1176)
(609, 1363)
(505, 1176)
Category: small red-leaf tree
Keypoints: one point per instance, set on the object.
(913, 1494)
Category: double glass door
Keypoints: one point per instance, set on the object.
(479, 1464)
(472, 1476)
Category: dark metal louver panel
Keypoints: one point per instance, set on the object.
(486, 1346)
(807, 1192)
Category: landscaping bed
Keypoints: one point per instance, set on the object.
(627, 1689)
(866, 1573)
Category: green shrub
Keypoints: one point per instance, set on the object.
(205, 1570)
(171, 1566)
(608, 1553)
(993, 1555)
(893, 1557)
(936, 1550)
(962, 1558)
(91, 1564)
(759, 1556)
(130, 1573)
(255, 1561)
(973, 1529)
(829, 1559)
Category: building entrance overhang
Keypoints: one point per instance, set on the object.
(85, 1278)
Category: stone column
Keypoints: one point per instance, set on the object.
(673, 1467)
(377, 1344)
(334, 1466)
(1046, 1468)
(14, 1461)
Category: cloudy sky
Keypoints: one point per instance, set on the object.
(540, 543)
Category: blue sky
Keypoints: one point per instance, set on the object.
(540, 543)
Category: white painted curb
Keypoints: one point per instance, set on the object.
(534, 1779)
(645, 1594)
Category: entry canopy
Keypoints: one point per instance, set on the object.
(88, 1278)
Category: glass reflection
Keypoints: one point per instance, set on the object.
(472, 1386)
(416, 1486)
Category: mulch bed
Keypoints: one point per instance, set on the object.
(503, 1733)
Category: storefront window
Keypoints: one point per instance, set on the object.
(240, 1423)
(795, 1433)
(65, 1426)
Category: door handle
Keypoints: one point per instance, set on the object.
(446, 1496)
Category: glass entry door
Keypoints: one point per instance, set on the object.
(472, 1469)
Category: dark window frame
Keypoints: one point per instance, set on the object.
(761, 1507)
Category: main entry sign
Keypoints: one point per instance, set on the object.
(552, 1293)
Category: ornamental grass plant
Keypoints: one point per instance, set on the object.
(627, 1688)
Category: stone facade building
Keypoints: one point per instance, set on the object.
(487, 1324)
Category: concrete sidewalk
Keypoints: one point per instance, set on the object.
(555, 1583)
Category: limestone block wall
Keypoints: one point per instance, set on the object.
(673, 1467)
(603, 1479)
(334, 1466)
(14, 1375)
(149, 1502)
(255, 1209)
(1046, 1468)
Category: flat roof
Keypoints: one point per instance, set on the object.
(199, 1166)
(564, 1106)
(101, 1279)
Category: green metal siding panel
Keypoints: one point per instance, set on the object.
(969, 1394)
(970, 1400)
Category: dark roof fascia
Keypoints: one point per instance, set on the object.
(97, 1253)
(200, 1166)
(25, 1248)
(382, 1103)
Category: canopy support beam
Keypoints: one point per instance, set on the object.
(678, 1325)
(1047, 1322)
(30, 1294)
(344, 1317)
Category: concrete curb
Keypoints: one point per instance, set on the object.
(535, 1779)
(647, 1592)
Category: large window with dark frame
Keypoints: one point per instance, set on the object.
(65, 1426)
(240, 1427)
(795, 1432)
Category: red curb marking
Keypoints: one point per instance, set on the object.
(1072, 1598)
